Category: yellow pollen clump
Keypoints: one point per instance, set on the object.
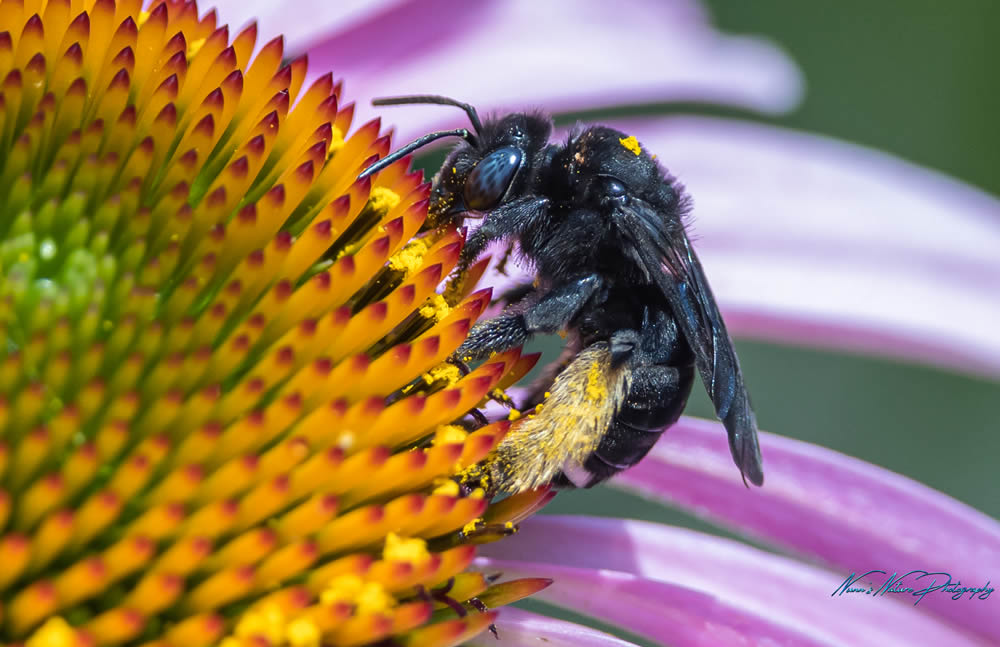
(336, 142)
(472, 526)
(447, 487)
(630, 143)
(513, 415)
(596, 388)
(547, 394)
(267, 620)
(195, 46)
(367, 597)
(383, 199)
(56, 632)
(398, 549)
(437, 308)
(303, 633)
(444, 373)
(410, 257)
(450, 434)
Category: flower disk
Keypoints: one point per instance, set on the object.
(205, 317)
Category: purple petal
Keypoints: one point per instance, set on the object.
(302, 22)
(661, 611)
(522, 53)
(517, 627)
(817, 502)
(687, 588)
(809, 240)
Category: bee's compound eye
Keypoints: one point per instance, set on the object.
(489, 181)
(613, 188)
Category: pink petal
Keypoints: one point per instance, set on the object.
(817, 502)
(661, 611)
(517, 627)
(523, 53)
(302, 22)
(687, 588)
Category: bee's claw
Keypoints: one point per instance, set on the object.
(479, 417)
(500, 397)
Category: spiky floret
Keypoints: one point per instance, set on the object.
(204, 313)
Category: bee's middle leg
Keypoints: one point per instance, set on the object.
(551, 313)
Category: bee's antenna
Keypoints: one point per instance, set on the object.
(477, 125)
(414, 145)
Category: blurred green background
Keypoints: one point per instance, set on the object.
(919, 79)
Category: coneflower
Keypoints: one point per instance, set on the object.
(204, 314)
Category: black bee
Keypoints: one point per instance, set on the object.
(602, 224)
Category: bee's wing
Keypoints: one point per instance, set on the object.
(671, 264)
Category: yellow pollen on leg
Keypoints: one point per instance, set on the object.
(399, 549)
(335, 144)
(596, 388)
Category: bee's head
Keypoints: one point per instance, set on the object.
(492, 164)
(479, 176)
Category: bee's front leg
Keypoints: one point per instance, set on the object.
(505, 221)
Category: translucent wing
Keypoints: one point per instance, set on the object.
(669, 261)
